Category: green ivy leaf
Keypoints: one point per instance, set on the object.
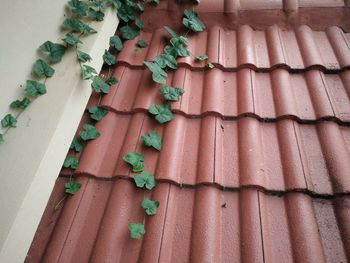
(96, 15)
(20, 104)
(116, 3)
(145, 179)
(97, 113)
(71, 40)
(111, 81)
(152, 139)
(71, 162)
(126, 13)
(34, 88)
(136, 230)
(78, 26)
(108, 58)
(139, 23)
(177, 49)
(136, 160)
(55, 51)
(170, 31)
(89, 132)
(83, 57)
(165, 60)
(98, 3)
(116, 42)
(99, 85)
(141, 44)
(192, 22)
(72, 187)
(158, 74)
(77, 144)
(129, 32)
(162, 113)
(1, 138)
(210, 65)
(150, 206)
(8, 121)
(183, 40)
(77, 7)
(88, 72)
(41, 69)
(202, 57)
(171, 93)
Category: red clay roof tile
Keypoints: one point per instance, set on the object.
(194, 225)
(307, 96)
(297, 50)
(255, 165)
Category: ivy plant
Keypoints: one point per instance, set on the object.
(108, 58)
(8, 121)
(89, 132)
(77, 144)
(72, 187)
(116, 42)
(55, 51)
(145, 180)
(42, 69)
(71, 162)
(161, 112)
(150, 206)
(99, 85)
(192, 22)
(34, 88)
(136, 230)
(152, 139)
(171, 93)
(20, 104)
(136, 160)
(97, 113)
(83, 57)
(158, 74)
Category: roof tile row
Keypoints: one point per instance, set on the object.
(306, 96)
(298, 50)
(276, 156)
(203, 224)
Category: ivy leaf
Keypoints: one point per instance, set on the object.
(183, 40)
(177, 49)
(129, 32)
(165, 60)
(162, 113)
(158, 74)
(96, 15)
(83, 57)
(88, 72)
(71, 162)
(77, 26)
(71, 40)
(136, 230)
(108, 58)
(77, 144)
(111, 81)
(72, 187)
(34, 88)
(145, 179)
(139, 23)
(126, 13)
(99, 85)
(210, 65)
(202, 57)
(1, 138)
(89, 132)
(171, 93)
(116, 42)
(136, 160)
(141, 44)
(170, 31)
(8, 121)
(97, 113)
(152, 139)
(116, 3)
(78, 7)
(55, 51)
(41, 69)
(150, 206)
(20, 104)
(98, 3)
(192, 22)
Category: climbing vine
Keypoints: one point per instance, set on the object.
(76, 26)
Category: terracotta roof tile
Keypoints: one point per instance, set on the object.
(296, 50)
(194, 225)
(255, 164)
(307, 96)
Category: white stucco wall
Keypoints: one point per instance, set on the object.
(32, 154)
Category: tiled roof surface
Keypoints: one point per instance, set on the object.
(254, 166)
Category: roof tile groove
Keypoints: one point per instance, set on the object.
(305, 97)
(278, 156)
(297, 50)
(217, 225)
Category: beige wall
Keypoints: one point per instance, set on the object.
(32, 154)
